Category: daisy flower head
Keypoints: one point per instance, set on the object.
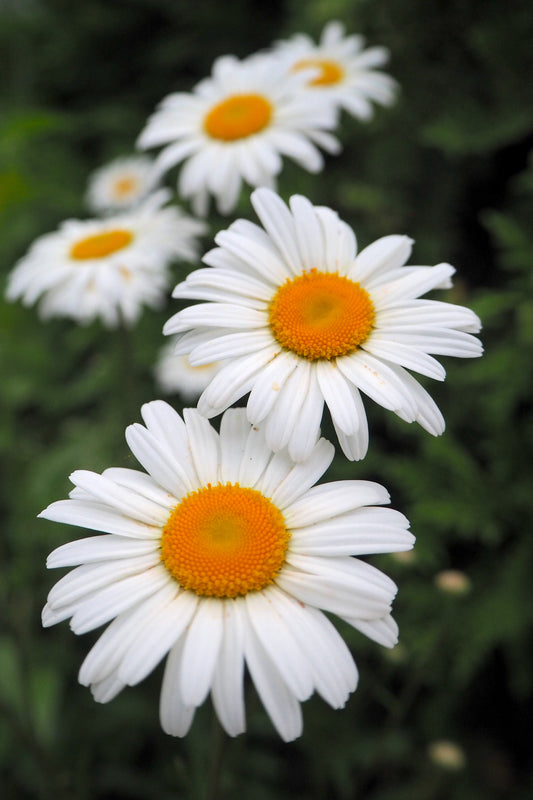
(304, 319)
(344, 73)
(121, 184)
(235, 126)
(174, 374)
(223, 555)
(106, 268)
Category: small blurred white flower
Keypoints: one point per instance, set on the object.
(106, 268)
(447, 755)
(340, 70)
(453, 581)
(121, 184)
(174, 374)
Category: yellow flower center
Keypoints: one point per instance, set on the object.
(238, 117)
(321, 315)
(328, 72)
(124, 187)
(224, 541)
(101, 244)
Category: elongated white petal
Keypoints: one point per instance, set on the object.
(99, 548)
(176, 717)
(330, 499)
(200, 651)
(228, 680)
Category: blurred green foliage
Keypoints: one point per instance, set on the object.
(447, 165)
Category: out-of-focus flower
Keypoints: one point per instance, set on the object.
(106, 268)
(340, 70)
(235, 126)
(174, 374)
(447, 755)
(453, 581)
(304, 320)
(224, 554)
(121, 184)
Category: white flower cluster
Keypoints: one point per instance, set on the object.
(224, 554)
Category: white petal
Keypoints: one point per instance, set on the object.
(165, 629)
(176, 717)
(98, 548)
(204, 447)
(98, 517)
(384, 631)
(200, 651)
(123, 500)
(342, 403)
(234, 433)
(267, 386)
(280, 703)
(307, 426)
(331, 499)
(279, 224)
(382, 256)
(228, 680)
(304, 475)
(233, 381)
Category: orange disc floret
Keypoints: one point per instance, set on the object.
(328, 72)
(224, 541)
(101, 244)
(237, 117)
(321, 315)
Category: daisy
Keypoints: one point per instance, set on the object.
(121, 184)
(342, 71)
(235, 126)
(303, 319)
(107, 269)
(223, 555)
(174, 374)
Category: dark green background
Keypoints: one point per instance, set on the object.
(448, 165)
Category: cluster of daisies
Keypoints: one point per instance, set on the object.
(223, 555)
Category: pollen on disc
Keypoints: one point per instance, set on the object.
(321, 315)
(237, 117)
(101, 244)
(224, 541)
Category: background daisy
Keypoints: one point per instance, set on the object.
(304, 320)
(121, 184)
(174, 374)
(107, 269)
(235, 126)
(340, 70)
(223, 555)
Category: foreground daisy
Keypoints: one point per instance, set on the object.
(304, 320)
(344, 73)
(107, 269)
(235, 126)
(223, 555)
(174, 374)
(121, 184)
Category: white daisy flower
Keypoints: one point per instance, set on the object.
(106, 268)
(303, 319)
(121, 184)
(223, 555)
(235, 126)
(174, 374)
(344, 73)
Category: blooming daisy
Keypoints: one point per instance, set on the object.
(122, 184)
(235, 126)
(106, 268)
(223, 555)
(343, 72)
(303, 319)
(174, 374)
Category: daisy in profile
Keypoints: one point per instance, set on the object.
(344, 72)
(235, 126)
(223, 555)
(303, 320)
(174, 374)
(121, 184)
(106, 268)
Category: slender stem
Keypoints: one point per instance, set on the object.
(218, 738)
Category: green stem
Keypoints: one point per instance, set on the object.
(218, 738)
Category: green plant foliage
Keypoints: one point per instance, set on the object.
(447, 165)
